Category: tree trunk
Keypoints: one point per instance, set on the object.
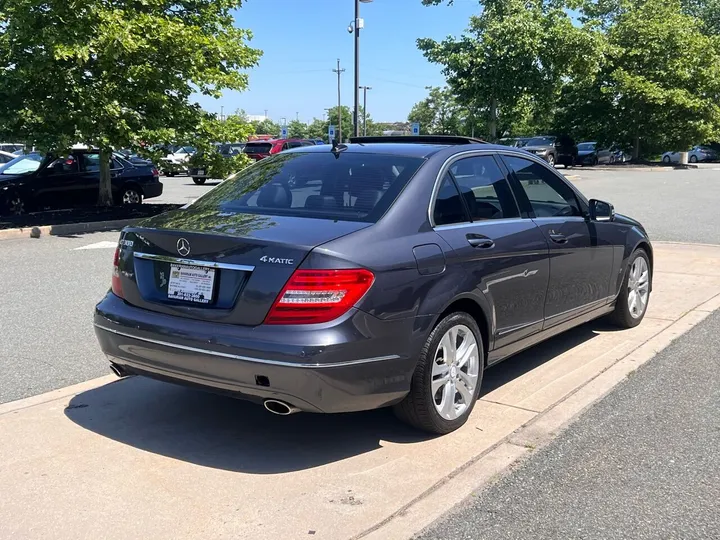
(105, 192)
(492, 125)
(636, 148)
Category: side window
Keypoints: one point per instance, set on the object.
(448, 205)
(91, 163)
(548, 195)
(484, 188)
(64, 164)
(115, 164)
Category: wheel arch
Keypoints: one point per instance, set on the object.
(470, 305)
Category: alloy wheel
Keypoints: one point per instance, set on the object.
(638, 288)
(551, 160)
(16, 205)
(455, 370)
(131, 196)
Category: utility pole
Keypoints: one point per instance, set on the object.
(365, 89)
(222, 116)
(266, 114)
(297, 116)
(339, 71)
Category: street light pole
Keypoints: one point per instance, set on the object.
(358, 25)
(365, 89)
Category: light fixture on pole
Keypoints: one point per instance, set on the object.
(365, 89)
(355, 26)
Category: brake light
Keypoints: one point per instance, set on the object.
(116, 285)
(155, 172)
(318, 296)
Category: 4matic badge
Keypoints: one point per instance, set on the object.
(276, 260)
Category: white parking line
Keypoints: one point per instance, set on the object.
(105, 244)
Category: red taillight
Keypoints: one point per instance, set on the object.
(318, 296)
(155, 172)
(116, 285)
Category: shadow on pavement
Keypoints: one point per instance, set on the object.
(224, 433)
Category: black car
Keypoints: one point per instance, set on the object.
(36, 182)
(200, 173)
(589, 153)
(555, 150)
(393, 276)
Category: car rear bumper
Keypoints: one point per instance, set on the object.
(152, 190)
(361, 363)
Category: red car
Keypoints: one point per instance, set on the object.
(258, 150)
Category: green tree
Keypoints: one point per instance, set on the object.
(439, 114)
(317, 129)
(298, 129)
(267, 127)
(113, 74)
(234, 128)
(514, 52)
(659, 87)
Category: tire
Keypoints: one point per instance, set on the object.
(551, 160)
(169, 174)
(131, 195)
(623, 315)
(419, 408)
(693, 159)
(595, 162)
(199, 181)
(12, 204)
(666, 159)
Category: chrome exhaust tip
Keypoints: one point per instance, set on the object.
(279, 407)
(118, 370)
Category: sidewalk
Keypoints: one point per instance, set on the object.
(141, 459)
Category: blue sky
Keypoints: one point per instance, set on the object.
(301, 40)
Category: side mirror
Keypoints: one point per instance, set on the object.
(601, 210)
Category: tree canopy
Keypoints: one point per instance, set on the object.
(115, 74)
(637, 73)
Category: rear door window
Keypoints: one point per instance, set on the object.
(346, 186)
(449, 208)
(484, 188)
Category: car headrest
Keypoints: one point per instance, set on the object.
(321, 202)
(367, 199)
(275, 196)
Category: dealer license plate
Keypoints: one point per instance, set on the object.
(191, 283)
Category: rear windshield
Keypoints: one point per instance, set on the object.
(257, 148)
(346, 186)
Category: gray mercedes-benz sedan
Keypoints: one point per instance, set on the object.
(385, 272)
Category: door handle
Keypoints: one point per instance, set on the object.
(558, 238)
(479, 241)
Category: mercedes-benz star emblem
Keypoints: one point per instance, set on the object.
(183, 247)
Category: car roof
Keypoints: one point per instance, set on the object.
(405, 149)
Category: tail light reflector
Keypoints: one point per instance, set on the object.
(116, 285)
(318, 296)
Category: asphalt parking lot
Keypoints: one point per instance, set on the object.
(181, 442)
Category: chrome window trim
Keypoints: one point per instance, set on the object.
(250, 358)
(194, 262)
(473, 153)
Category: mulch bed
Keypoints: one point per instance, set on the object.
(84, 215)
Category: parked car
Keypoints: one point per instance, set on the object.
(258, 150)
(133, 157)
(590, 154)
(175, 162)
(555, 150)
(700, 152)
(34, 182)
(6, 156)
(199, 173)
(515, 142)
(393, 277)
(618, 155)
(12, 148)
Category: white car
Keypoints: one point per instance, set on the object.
(698, 153)
(176, 161)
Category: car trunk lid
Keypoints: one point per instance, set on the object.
(217, 266)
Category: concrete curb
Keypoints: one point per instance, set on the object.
(489, 466)
(64, 229)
